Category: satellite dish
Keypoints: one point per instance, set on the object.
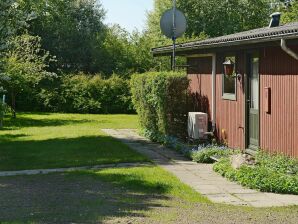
(173, 23)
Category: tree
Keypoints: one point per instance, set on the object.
(25, 65)
(207, 18)
(127, 53)
(214, 17)
(153, 30)
(153, 37)
(72, 30)
(141, 51)
(290, 13)
(12, 20)
(9, 22)
(117, 51)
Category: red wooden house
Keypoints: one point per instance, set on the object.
(248, 84)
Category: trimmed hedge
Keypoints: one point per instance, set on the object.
(272, 173)
(83, 93)
(161, 101)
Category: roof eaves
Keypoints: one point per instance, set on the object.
(234, 39)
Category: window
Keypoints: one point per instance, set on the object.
(229, 84)
(254, 83)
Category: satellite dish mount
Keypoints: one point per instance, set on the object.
(173, 25)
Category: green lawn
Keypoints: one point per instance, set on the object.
(92, 196)
(146, 195)
(149, 180)
(45, 140)
(63, 140)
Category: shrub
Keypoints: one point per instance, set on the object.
(203, 153)
(277, 163)
(178, 145)
(161, 100)
(89, 94)
(78, 92)
(272, 173)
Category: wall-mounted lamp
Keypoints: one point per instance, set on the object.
(229, 67)
(229, 70)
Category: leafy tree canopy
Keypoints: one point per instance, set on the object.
(12, 20)
(25, 65)
(72, 30)
(290, 13)
(217, 18)
(213, 17)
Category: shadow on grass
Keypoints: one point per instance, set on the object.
(69, 152)
(78, 198)
(10, 137)
(131, 181)
(22, 122)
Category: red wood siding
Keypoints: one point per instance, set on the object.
(229, 114)
(200, 84)
(279, 129)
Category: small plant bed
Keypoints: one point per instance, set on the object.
(270, 173)
(201, 153)
(210, 153)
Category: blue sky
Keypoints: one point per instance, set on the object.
(129, 14)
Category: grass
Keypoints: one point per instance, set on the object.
(92, 196)
(45, 140)
(120, 195)
(62, 140)
(145, 194)
(149, 180)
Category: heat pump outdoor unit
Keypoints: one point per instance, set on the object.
(197, 125)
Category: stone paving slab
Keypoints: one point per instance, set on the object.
(200, 177)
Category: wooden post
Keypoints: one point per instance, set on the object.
(13, 104)
(2, 102)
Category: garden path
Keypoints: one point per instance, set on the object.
(201, 177)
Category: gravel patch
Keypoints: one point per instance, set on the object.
(83, 198)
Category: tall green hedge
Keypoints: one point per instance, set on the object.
(161, 100)
(88, 94)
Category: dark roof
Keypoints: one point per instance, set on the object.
(266, 34)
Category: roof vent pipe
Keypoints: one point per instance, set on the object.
(275, 19)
